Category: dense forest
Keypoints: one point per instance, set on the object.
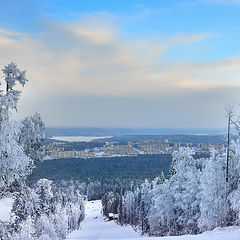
(96, 176)
(100, 169)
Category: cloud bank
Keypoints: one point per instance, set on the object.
(84, 73)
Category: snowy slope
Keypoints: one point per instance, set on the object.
(5, 209)
(95, 228)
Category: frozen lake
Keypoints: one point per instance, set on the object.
(77, 138)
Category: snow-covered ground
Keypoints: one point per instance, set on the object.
(5, 209)
(94, 227)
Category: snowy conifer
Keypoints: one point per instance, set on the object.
(45, 196)
(14, 164)
(31, 136)
(26, 231)
(213, 206)
(184, 184)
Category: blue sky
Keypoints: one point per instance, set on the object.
(163, 58)
(138, 19)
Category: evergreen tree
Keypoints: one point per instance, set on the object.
(184, 184)
(24, 206)
(31, 136)
(45, 196)
(175, 208)
(15, 162)
(26, 231)
(214, 206)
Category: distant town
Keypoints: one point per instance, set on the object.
(107, 148)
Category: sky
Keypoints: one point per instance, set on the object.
(128, 63)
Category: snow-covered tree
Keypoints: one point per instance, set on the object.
(214, 205)
(45, 195)
(26, 205)
(14, 164)
(128, 207)
(31, 136)
(234, 198)
(234, 165)
(45, 227)
(162, 216)
(184, 184)
(234, 181)
(52, 216)
(175, 207)
(145, 194)
(110, 203)
(36, 213)
(25, 232)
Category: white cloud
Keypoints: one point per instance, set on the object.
(89, 59)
